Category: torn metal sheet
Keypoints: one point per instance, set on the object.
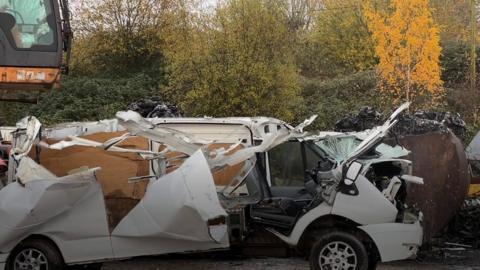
(108, 145)
(305, 124)
(269, 141)
(29, 170)
(174, 139)
(346, 147)
(371, 140)
(6, 133)
(192, 202)
(31, 130)
(191, 177)
(24, 208)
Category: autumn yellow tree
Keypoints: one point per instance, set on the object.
(408, 48)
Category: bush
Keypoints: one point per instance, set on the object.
(89, 99)
(334, 98)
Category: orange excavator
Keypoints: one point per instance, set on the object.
(35, 44)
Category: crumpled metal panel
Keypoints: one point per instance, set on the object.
(440, 159)
(178, 205)
(24, 208)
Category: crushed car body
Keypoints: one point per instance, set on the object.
(134, 186)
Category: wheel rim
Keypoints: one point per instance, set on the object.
(31, 259)
(338, 256)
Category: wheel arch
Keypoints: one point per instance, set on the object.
(38, 237)
(330, 223)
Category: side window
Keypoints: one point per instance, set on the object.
(316, 158)
(34, 22)
(286, 165)
(312, 158)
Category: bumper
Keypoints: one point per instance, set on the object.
(395, 241)
(3, 261)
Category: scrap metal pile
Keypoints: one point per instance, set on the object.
(465, 227)
(155, 107)
(420, 122)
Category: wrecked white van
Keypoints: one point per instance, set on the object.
(85, 193)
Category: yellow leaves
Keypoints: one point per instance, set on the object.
(408, 47)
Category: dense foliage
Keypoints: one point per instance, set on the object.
(241, 64)
(84, 98)
(283, 58)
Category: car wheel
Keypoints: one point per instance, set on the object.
(35, 254)
(338, 251)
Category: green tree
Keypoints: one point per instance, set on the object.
(237, 61)
(452, 17)
(120, 37)
(339, 42)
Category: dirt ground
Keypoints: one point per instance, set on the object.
(470, 262)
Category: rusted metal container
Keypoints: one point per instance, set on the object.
(439, 158)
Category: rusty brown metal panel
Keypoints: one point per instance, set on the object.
(441, 160)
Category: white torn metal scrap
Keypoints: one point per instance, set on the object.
(38, 195)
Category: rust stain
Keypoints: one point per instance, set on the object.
(441, 160)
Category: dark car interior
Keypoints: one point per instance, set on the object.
(294, 168)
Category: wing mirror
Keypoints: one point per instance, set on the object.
(352, 172)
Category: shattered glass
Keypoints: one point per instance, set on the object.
(339, 147)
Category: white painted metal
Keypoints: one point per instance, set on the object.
(368, 207)
(174, 213)
(180, 211)
(322, 210)
(61, 209)
(395, 241)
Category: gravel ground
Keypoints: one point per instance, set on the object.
(167, 263)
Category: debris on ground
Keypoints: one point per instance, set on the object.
(155, 107)
(420, 122)
(465, 227)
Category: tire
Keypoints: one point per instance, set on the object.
(337, 250)
(372, 264)
(37, 253)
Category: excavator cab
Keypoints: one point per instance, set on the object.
(35, 42)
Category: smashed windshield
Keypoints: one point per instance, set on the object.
(339, 147)
(34, 22)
